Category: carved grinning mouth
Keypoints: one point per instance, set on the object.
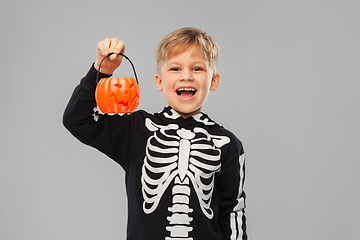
(125, 102)
(186, 92)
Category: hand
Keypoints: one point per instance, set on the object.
(109, 65)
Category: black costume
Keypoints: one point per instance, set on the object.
(184, 177)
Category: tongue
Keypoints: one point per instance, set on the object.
(186, 94)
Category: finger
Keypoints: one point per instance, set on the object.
(105, 46)
(100, 48)
(116, 47)
(113, 48)
(113, 44)
(120, 47)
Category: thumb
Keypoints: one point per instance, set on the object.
(115, 58)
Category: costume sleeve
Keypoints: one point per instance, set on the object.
(232, 196)
(103, 132)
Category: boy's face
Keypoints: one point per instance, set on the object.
(186, 79)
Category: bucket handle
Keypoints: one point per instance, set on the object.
(132, 65)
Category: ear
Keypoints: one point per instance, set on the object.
(215, 81)
(158, 82)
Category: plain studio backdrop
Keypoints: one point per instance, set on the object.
(289, 91)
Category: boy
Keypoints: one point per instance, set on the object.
(184, 172)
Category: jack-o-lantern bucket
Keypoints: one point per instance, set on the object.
(117, 94)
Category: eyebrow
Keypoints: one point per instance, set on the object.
(179, 63)
(173, 62)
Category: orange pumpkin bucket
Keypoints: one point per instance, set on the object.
(117, 94)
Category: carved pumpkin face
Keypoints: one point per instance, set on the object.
(117, 95)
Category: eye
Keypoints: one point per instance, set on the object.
(175, 69)
(198, 69)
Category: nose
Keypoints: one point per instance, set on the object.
(186, 75)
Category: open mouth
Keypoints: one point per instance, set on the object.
(186, 92)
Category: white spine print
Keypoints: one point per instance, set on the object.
(182, 157)
(179, 220)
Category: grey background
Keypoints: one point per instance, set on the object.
(289, 91)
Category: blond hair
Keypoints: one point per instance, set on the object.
(181, 39)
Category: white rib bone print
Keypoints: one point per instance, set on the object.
(182, 156)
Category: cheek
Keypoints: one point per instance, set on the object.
(206, 83)
(168, 84)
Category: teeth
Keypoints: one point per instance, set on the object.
(187, 89)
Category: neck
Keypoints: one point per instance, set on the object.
(187, 115)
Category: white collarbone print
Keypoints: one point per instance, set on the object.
(183, 156)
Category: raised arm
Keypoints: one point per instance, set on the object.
(81, 117)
